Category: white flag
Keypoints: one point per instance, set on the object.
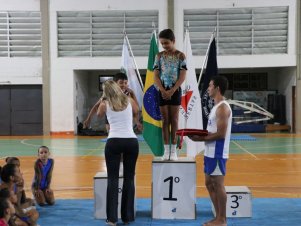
(128, 67)
(190, 115)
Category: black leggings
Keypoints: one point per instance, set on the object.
(114, 148)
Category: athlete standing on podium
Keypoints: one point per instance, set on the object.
(217, 148)
(169, 73)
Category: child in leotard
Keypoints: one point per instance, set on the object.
(43, 168)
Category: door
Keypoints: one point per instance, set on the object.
(22, 110)
(5, 110)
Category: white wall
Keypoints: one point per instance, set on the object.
(20, 70)
(16, 5)
(62, 69)
(243, 61)
(62, 79)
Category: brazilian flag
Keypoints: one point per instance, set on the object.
(152, 123)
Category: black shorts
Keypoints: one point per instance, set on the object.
(174, 100)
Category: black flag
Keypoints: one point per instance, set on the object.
(211, 70)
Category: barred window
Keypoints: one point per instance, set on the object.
(240, 31)
(20, 34)
(100, 33)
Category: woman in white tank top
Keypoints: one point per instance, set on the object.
(121, 111)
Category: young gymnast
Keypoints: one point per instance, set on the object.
(10, 195)
(43, 168)
(169, 73)
(10, 176)
(7, 211)
(22, 199)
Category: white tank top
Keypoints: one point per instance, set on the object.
(121, 122)
(218, 148)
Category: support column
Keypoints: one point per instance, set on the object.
(170, 14)
(44, 8)
(298, 83)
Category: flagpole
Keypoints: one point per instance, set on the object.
(185, 121)
(136, 67)
(206, 56)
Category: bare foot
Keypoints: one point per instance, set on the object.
(208, 222)
(216, 222)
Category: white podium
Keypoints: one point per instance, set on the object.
(174, 189)
(239, 202)
(100, 195)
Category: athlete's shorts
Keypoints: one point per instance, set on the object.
(215, 166)
(25, 219)
(174, 100)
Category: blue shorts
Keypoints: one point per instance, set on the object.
(215, 166)
(25, 219)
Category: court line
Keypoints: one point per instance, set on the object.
(51, 147)
(245, 150)
(278, 146)
(289, 194)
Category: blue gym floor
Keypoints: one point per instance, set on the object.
(266, 212)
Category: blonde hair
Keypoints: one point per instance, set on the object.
(112, 93)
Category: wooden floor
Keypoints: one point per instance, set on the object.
(266, 174)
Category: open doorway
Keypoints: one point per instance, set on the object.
(87, 91)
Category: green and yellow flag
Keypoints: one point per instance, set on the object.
(152, 123)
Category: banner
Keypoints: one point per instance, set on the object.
(128, 67)
(189, 115)
(152, 123)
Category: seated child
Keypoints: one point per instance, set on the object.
(22, 199)
(7, 210)
(10, 176)
(43, 172)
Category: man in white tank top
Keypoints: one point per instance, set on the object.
(217, 148)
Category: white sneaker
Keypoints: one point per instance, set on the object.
(173, 156)
(166, 155)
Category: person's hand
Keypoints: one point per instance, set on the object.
(164, 94)
(36, 193)
(20, 183)
(48, 190)
(196, 138)
(170, 93)
(86, 123)
(139, 126)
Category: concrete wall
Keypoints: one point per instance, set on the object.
(20, 70)
(65, 72)
(62, 78)
(243, 61)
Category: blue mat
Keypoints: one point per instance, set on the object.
(242, 137)
(139, 137)
(266, 212)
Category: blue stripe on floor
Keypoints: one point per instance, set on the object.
(266, 212)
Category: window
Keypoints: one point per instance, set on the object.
(240, 31)
(100, 33)
(20, 34)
